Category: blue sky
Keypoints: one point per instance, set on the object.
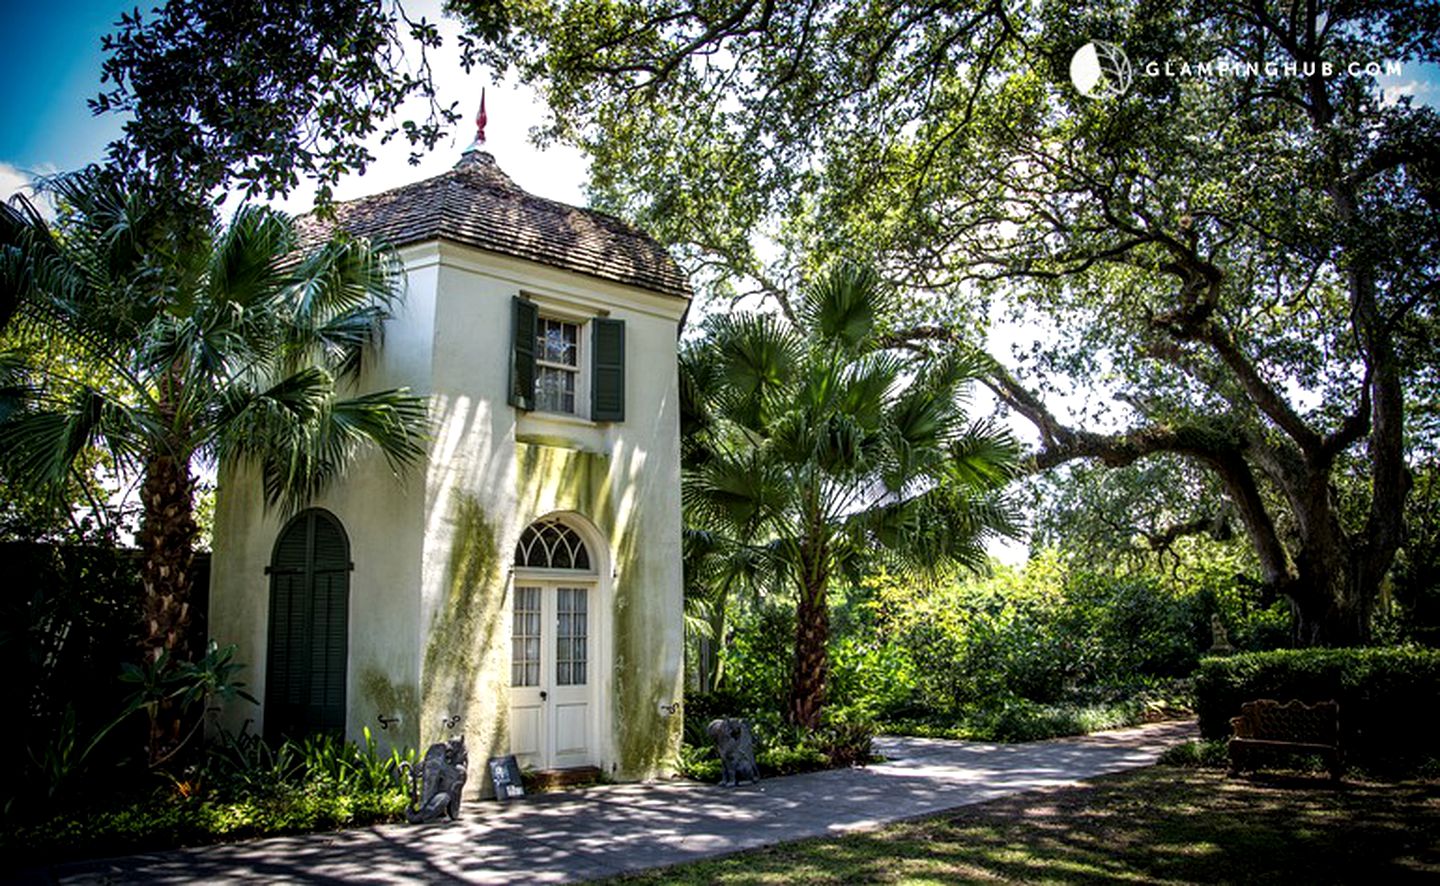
(49, 66)
(49, 70)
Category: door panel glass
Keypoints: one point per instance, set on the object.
(571, 634)
(525, 638)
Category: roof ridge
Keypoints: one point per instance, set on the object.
(477, 204)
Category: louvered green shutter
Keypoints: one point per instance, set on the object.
(309, 626)
(607, 398)
(524, 320)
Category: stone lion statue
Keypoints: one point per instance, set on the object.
(436, 787)
(736, 745)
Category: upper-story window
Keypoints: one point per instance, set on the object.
(557, 365)
(573, 366)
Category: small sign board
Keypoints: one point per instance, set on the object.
(505, 775)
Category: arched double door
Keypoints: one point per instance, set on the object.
(309, 627)
(554, 648)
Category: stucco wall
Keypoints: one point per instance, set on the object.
(382, 516)
(429, 615)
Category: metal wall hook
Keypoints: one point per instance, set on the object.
(386, 721)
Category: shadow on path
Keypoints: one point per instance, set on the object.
(617, 828)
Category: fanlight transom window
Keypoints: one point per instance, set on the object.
(550, 544)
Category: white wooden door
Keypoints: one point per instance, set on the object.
(552, 678)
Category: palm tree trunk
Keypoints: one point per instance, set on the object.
(812, 629)
(167, 532)
(812, 632)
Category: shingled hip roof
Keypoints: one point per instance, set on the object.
(476, 204)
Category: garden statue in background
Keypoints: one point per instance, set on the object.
(736, 746)
(436, 788)
(1220, 641)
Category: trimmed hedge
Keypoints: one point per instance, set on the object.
(1387, 696)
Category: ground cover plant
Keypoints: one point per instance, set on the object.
(1151, 825)
(237, 788)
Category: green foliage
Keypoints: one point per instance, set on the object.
(1018, 719)
(814, 443)
(259, 96)
(1203, 754)
(842, 739)
(1381, 693)
(1036, 634)
(181, 688)
(241, 788)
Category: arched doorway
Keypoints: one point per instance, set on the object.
(309, 627)
(554, 673)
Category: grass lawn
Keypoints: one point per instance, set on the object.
(1156, 825)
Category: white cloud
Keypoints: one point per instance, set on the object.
(1419, 91)
(14, 180)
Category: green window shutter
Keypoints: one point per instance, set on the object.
(524, 321)
(309, 627)
(607, 365)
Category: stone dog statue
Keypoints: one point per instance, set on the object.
(737, 751)
(435, 788)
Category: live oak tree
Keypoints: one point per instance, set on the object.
(1237, 267)
(220, 345)
(1248, 259)
(256, 96)
(816, 442)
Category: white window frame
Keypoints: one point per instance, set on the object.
(580, 370)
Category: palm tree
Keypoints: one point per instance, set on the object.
(191, 344)
(813, 445)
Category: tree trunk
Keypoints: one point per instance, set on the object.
(1330, 604)
(167, 532)
(812, 632)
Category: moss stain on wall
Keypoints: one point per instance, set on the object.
(648, 741)
(564, 479)
(384, 697)
(463, 635)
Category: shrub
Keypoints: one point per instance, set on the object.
(1197, 754)
(843, 739)
(1381, 693)
(242, 788)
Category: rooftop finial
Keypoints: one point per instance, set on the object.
(480, 120)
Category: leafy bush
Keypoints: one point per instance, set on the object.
(241, 788)
(757, 659)
(1381, 693)
(1203, 754)
(843, 739)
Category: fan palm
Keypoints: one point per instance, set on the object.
(814, 445)
(189, 346)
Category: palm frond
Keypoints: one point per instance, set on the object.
(842, 306)
(246, 267)
(985, 456)
(40, 442)
(303, 437)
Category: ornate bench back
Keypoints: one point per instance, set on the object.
(1291, 721)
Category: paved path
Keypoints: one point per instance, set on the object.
(618, 828)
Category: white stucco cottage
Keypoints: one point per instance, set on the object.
(522, 585)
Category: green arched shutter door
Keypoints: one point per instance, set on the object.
(309, 624)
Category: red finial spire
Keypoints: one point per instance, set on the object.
(480, 120)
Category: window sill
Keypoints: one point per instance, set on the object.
(559, 418)
(560, 430)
